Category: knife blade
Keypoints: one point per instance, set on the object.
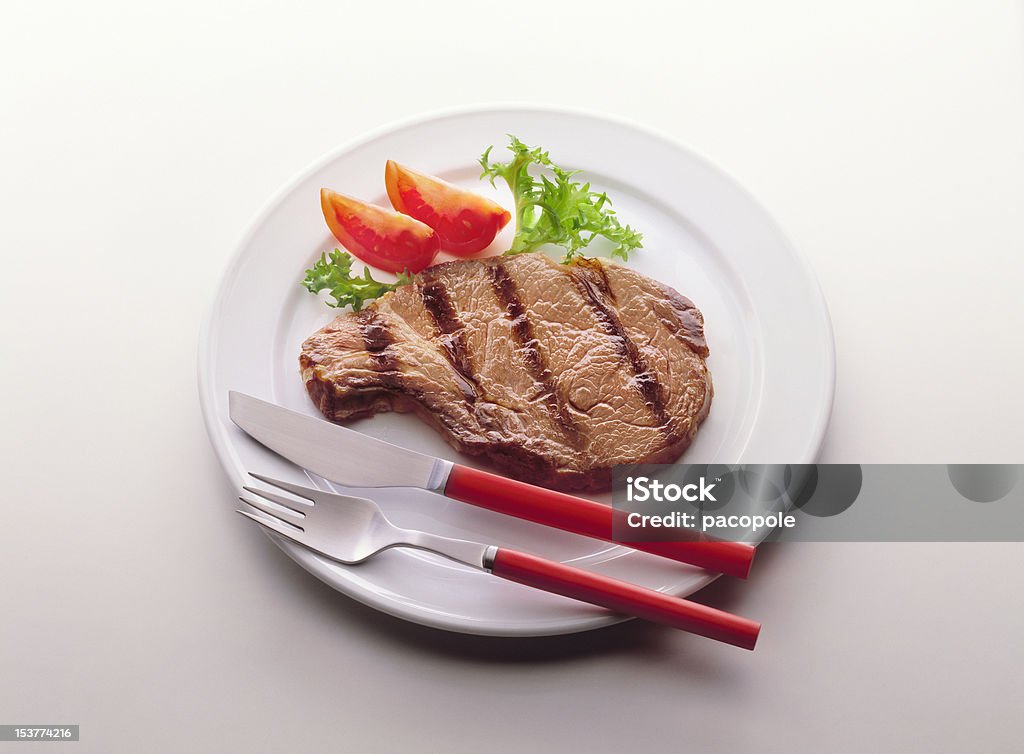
(342, 455)
(353, 459)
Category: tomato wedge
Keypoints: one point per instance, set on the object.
(384, 239)
(465, 222)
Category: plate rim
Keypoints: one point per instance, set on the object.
(207, 343)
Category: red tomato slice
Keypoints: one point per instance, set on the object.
(384, 239)
(465, 222)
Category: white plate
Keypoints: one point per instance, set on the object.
(772, 354)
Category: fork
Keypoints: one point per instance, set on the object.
(350, 530)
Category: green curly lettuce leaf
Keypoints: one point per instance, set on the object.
(334, 273)
(552, 208)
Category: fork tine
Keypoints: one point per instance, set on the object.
(284, 502)
(291, 518)
(304, 492)
(275, 525)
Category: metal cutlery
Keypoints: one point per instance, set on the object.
(328, 449)
(351, 530)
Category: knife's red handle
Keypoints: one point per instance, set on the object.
(561, 511)
(623, 597)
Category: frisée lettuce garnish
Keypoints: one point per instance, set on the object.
(552, 208)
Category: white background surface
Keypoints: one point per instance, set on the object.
(137, 144)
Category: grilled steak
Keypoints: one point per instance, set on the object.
(555, 373)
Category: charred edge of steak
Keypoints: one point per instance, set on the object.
(452, 334)
(591, 281)
(376, 340)
(689, 322)
(511, 458)
(522, 330)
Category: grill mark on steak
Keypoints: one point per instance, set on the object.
(596, 289)
(603, 284)
(376, 339)
(451, 333)
(384, 366)
(522, 330)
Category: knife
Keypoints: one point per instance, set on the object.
(353, 459)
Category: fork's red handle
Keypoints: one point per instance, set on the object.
(623, 597)
(561, 511)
